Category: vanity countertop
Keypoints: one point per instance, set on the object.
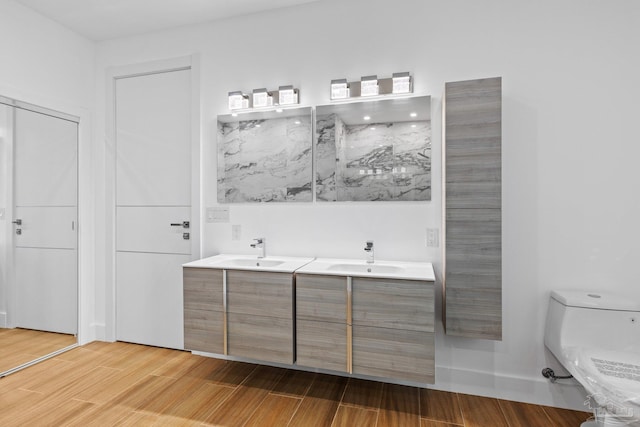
(379, 269)
(275, 264)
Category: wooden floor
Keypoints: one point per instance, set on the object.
(18, 346)
(106, 384)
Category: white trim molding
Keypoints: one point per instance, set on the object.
(107, 330)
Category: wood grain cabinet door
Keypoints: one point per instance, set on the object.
(396, 304)
(394, 353)
(260, 315)
(393, 329)
(321, 298)
(203, 310)
(321, 322)
(260, 293)
(473, 199)
(260, 337)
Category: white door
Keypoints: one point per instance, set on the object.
(153, 205)
(45, 222)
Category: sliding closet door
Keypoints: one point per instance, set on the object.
(45, 222)
(153, 205)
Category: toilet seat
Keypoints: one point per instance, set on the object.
(612, 379)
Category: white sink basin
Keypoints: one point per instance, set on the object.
(381, 269)
(366, 268)
(264, 262)
(251, 262)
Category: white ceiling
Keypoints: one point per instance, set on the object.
(107, 19)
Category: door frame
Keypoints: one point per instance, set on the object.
(6, 320)
(84, 194)
(192, 62)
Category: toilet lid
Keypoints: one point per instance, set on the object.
(596, 300)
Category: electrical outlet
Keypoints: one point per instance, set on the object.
(236, 232)
(433, 238)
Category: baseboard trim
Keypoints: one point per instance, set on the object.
(98, 332)
(568, 394)
(3, 319)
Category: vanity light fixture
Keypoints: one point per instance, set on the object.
(238, 100)
(401, 82)
(369, 86)
(367, 117)
(413, 114)
(287, 95)
(262, 98)
(340, 89)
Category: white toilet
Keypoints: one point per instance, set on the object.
(596, 337)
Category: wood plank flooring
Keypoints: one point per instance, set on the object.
(109, 384)
(18, 346)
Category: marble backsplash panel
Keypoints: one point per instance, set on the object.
(265, 160)
(329, 130)
(373, 162)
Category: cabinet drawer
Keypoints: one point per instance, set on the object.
(203, 331)
(260, 337)
(392, 353)
(203, 319)
(322, 298)
(202, 288)
(259, 293)
(321, 345)
(400, 304)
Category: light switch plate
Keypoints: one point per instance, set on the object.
(218, 214)
(433, 238)
(236, 232)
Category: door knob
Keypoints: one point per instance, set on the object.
(183, 224)
(17, 222)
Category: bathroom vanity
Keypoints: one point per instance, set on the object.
(347, 316)
(241, 306)
(366, 319)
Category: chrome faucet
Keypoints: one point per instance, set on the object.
(260, 244)
(369, 250)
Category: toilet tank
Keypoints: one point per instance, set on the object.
(592, 319)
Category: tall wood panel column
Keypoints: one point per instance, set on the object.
(473, 212)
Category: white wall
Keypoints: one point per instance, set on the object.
(569, 152)
(46, 64)
(43, 62)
